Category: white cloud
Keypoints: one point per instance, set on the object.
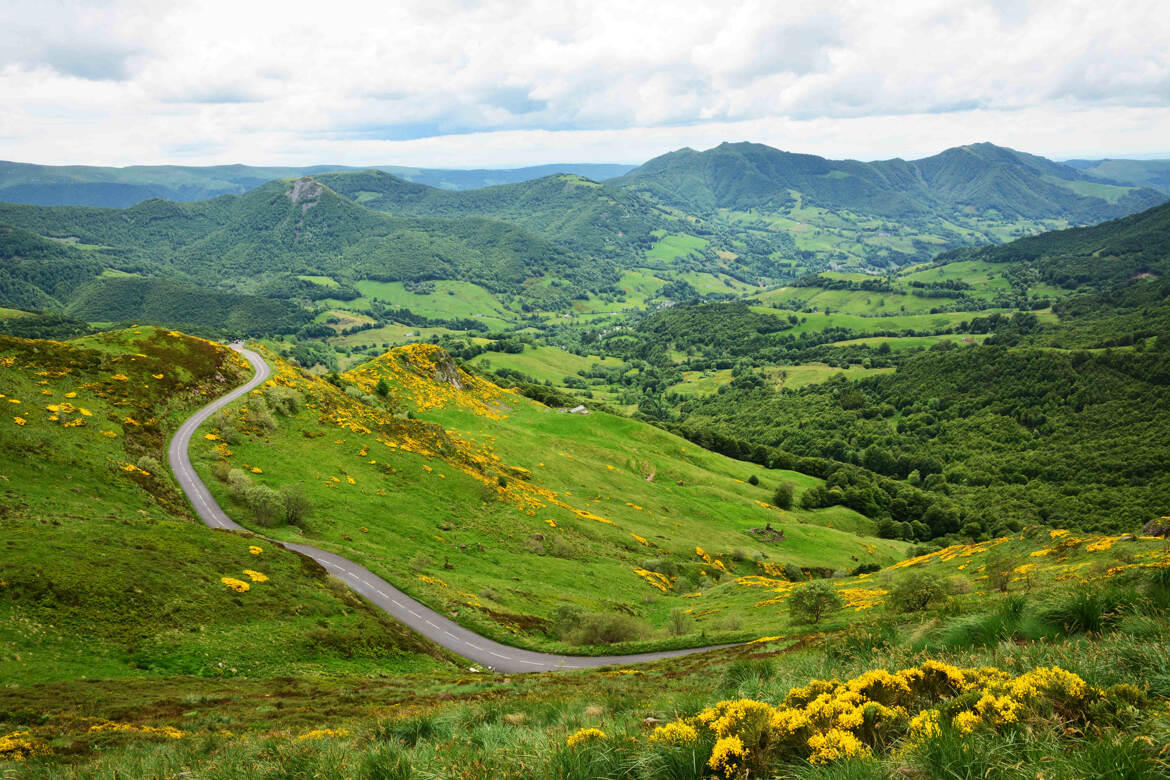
(506, 82)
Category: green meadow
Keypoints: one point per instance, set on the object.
(506, 512)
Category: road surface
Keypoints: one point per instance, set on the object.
(423, 619)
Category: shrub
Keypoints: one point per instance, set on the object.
(296, 503)
(266, 504)
(809, 603)
(220, 470)
(753, 480)
(604, 628)
(794, 573)
(783, 495)
(284, 400)
(865, 568)
(1000, 567)
(1083, 610)
(238, 483)
(421, 561)
(148, 463)
(680, 622)
(915, 591)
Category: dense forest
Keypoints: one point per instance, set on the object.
(1014, 434)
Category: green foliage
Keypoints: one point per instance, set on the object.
(783, 495)
(915, 591)
(810, 602)
(1105, 255)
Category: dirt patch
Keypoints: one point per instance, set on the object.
(767, 533)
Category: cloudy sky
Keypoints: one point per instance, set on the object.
(450, 83)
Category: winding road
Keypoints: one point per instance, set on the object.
(480, 650)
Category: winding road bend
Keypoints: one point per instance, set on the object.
(480, 650)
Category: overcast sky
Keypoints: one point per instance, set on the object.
(443, 83)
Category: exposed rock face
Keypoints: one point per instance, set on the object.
(305, 191)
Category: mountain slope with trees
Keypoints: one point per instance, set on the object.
(980, 177)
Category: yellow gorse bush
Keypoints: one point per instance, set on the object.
(170, 732)
(323, 733)
(877, 711)
(239, 586)
(20, 745)
(583, 736)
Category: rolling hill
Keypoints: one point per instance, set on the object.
(1101, 256)
(259, 243)
(87, 185)
(481, 502)
(571, 210)
(1154, 174)
(106, 572)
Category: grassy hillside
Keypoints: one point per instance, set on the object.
(507, 513)
(1097, 257)
(1154, 174)
(988, 660)
(105, 572)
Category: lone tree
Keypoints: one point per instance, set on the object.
(809, 603)
(783, 495)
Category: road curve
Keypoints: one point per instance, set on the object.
(439, 629)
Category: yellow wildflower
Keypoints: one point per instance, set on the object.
(675, 733)
(255, 576)
(583, 736)
(965, 722)
(254, 549)
(322, 733)
(19, 420)
(239, 586)
(835, 744)
(728, 756)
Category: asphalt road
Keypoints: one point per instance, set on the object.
(423, 619)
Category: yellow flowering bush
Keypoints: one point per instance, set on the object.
(323, 733)
(728, 757)
(675, 733)
(170, 732)
(256, 576)
(877, 711)
(833, 744)
(584, 736)
(20, 745)
(239, 586)
(254, 549)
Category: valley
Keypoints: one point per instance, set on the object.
(559, 477)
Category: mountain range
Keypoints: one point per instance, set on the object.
(87, 185)
(676, 213)
(978, 178)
